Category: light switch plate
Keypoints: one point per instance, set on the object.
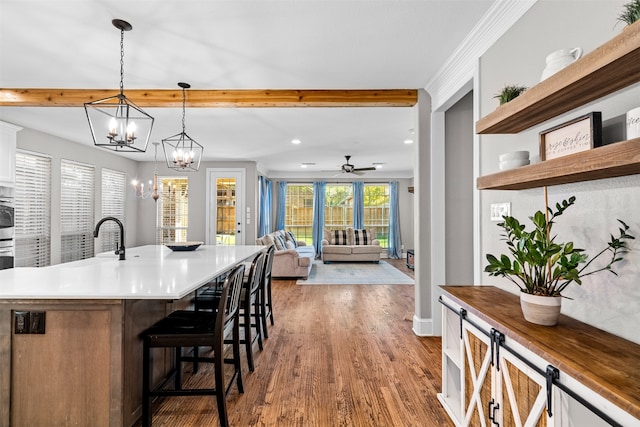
(498, 210)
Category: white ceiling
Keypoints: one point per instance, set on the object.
(364, 44)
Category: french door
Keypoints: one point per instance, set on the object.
(225, 206)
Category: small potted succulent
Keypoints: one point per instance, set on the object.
(542, 267)
(630, 12)
(510, 92)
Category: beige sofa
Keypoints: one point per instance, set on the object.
(350, 245)
(292, 258)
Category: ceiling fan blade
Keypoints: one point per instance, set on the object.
(372, 168)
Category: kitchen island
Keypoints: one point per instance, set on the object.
(86, 368)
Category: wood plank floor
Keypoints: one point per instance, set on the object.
(338, 355)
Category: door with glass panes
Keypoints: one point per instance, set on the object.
(225, 207)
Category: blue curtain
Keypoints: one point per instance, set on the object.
(395, 242)
(358, 205)
(264, 220)
(318, 215)
(282, 202)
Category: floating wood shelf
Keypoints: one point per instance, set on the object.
(611, 67)
(619, 159)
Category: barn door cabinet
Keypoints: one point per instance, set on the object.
(499, 370)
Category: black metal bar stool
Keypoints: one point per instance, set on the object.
(186, 328)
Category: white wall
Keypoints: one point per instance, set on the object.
(459, 185)
(605, 301)
(57, 148)
(197, 200)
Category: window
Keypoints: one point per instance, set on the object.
(338, 206)
(299, 211)
(173, 210)
(338, 212)
(33, 210)
(76, 210)
(376, 211)
(113, 198)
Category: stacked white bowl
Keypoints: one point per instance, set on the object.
(514, 159)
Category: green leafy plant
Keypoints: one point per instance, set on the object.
(539, 265)
(510, 92)
(630, 12)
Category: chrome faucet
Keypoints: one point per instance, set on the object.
(119, 251)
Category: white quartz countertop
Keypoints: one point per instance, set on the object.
(149, 272)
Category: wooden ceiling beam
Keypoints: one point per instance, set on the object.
(198, 98)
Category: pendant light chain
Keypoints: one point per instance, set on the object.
(184, 97)
(121, 62)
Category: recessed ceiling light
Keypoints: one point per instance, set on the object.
(304, 165)
(295, 141)
(378, 165)
(408, 141)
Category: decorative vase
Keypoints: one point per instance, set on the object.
(559, 59)
(539, 309)
(633, 123)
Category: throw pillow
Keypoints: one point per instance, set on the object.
(362, 237)
(291, 238)
(279, 242)
(339, 237)
(290, 244)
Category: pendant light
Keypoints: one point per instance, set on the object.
(117, 123)
(181, 151)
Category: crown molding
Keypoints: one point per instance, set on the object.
(456, 73)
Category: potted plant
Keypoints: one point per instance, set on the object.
(510, 92)
(630, 12)
(542, 267)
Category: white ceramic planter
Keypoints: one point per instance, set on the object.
(540, 310)
(633, 123)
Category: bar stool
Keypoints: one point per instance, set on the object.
(250, 309)
(266, 302)
(186, 328)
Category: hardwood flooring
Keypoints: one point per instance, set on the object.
(338, 355)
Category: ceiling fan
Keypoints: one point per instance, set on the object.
(349, 168)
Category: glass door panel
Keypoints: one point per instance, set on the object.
(226, 211)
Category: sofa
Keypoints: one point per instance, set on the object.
(292, 258)
(350, 245)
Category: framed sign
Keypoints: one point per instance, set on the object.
(580, 134)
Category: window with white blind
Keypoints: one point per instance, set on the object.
(113, 199)
(172, 219)
(76, 210)
(33, 210)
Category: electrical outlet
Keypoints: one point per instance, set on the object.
(21, 322)
(498, 210)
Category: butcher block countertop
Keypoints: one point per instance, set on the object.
(603, 362)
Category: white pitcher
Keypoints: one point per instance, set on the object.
(559, 59)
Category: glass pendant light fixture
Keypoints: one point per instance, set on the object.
(152, 190)
(117, 123)
(181, 151)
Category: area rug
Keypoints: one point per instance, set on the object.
(355, 273)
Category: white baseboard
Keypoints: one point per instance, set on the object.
(422, 327)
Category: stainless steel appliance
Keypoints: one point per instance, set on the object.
(7, 226)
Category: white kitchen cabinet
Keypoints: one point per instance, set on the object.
(8, 137)
(495, 367)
